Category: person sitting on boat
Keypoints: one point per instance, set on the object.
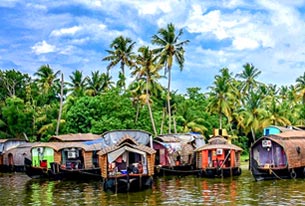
(140, 167)
(120, 164)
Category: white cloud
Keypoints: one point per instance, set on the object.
(43, 47)
(66, 31)
(241, 43)
(153, 7)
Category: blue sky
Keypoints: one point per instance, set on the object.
(74, 34)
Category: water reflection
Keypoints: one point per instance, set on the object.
(18, 189)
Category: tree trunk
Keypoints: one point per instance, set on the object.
(149, 109)
(61, 102)
(175, 125)
(220, 121)
(168, 101)
(163, 118)
(253, 134)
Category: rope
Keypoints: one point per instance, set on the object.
(271, 171)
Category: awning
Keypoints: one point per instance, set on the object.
(112, 156)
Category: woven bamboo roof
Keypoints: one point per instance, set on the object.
(62, 145)
(218, 142)
(75, 137)
(293, 142)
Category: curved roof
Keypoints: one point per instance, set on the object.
(219, 142)
(75, 137)
(62, 145)
(293, 142)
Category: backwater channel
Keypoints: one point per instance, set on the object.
(18, 189)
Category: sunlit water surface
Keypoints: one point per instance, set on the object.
(18, 189)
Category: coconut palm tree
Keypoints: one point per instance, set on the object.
(148, 69)
(136, 89)
(94, 84)
(121, 53)
(78, 83)
(221, 96)
(48, 81)
(253, 114)
(170, 49)
(300, 87)
(249, 75)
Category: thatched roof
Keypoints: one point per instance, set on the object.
(75, 137)
(62, 145)
(293, 143)
(219, 142)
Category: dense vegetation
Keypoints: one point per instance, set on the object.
(43, 105)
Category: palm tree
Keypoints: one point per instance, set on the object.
(48, 81)
(122, 53)
(170, 48)
(249, 75)
(95, 84)
(148, 69)
(300, 87)
(136, 89)
(253, 114)
(78, 83)
(221, 96)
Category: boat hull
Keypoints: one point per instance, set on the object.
(58, 173)
(277, 173)
(220, 172)
(127, 183)
(179, 170)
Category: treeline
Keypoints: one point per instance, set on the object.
(43, 105)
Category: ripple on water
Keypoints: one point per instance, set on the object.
(18, 189)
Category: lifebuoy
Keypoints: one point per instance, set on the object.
(293, 175)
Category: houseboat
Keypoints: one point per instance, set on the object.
(127, 164)
(278, 156)
(5, 145)
(175, 153)
(13, 159)
(63, 160)
(218, 158)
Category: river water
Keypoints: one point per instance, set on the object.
(18, 189)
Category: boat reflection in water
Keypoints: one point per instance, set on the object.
(19, 189)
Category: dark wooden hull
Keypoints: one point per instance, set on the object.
(81, 174)
(179, 170)
(56, 172)
(260, 173)
(12, 168)
(220, 172)
(127, 183)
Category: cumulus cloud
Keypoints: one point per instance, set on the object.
(43, 48)
(66, 31)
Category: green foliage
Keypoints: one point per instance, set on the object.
(17, 116)
(100, 113)
(242, 141)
